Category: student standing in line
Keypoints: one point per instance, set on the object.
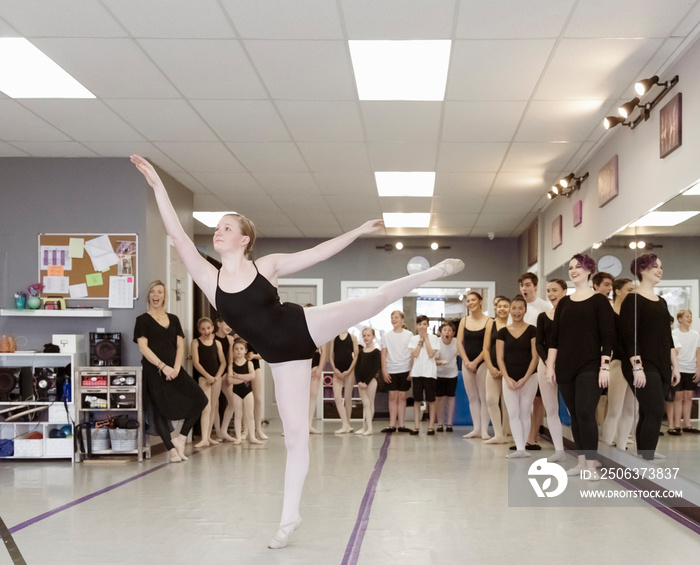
(318, 362)
(621, 401)
(225, 336)
(257, 389)
(494, 383)
(396, 364)
(602, 284)
(653, 366)
(423, 346)
(578, 359)
(556, 290)
(209, 365)
(528, 283)
(286, 335)
(243, 402)
(369, 366)
(689, 366)
(470, 345)
(344, 351)
(517, 359)
(447, 373)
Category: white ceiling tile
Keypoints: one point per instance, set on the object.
(349, 182)
(127, 148)
(19, 124)
(350, 203)
(86, 120)
(519, 184)
(399, 19)
(304, 70)
(271, 19)
(587, 69)
(78, 18)
(460, 203)
(54, 149)
(402, 121)
(201, 157)
(397, 156)
(171, 18)
(689, 23)
(319, 220)
(459, 231)
(189, 181)
(504, 19)
(478, 120)
(292, 201)
(499, 221)
(243, 120)
(327, 232)
(248, 203)
(269, 157)
(207, 203)
(109, 68)
(265, 220)
(349, 220)
(406, 205)
(509, 204)
(471, 157)
(336, 121)
(581, 156)
(496, 69)
(562, 120)
(538, 157)
(665, 56)
(447, 184)
(282, 182)
(163, 120)
(227, 182)
(451, 220)
(202, 68)
(642, 18)
(7, 150)
(272, 231)
(335, 157)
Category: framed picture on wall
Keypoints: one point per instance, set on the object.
(608, 187)
(556, 232)
(578, 212)
(670, 122)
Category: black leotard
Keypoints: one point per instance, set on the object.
(342, 353)
(208, 359)
(473, 342)
(241, 389)
(544, 335)
(369, 365)
(517, 351)
(494, 335)
(277, 331)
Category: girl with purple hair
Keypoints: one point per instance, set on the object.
(579, 358)
(652, 366)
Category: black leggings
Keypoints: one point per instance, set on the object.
(163, 428)
(651, 412)
(581, 396)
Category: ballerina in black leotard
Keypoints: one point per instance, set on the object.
(285, 335)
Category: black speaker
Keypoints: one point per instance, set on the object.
(45, 384)
(105, 349)
(9, 384)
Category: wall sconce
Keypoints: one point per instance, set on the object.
(398, 246)
(567, 186)
(641, 88)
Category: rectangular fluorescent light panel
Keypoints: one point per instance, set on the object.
(406, 220)
(26, 72)
(210, 219)
(401, 70)
(659, 219)
(693, 190)
(405, 183)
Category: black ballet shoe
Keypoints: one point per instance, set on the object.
(404, 429)
(532, 447)
(674, 432)
(440, 429)
(449, 429)
(414, 432)
(389, 430)
(431, 432)
(691, 431)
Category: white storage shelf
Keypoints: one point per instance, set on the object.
(52, 415)
(68, 313)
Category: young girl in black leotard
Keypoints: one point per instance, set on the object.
(224, 398)
(243, 402)
(209, 364)
(344, 351)
(286, 335)
(369, 365)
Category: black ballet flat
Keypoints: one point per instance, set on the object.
(674, 432)
(440, 429)
(404, 429)
(532, 447)
(389, 430)
(449, 429)
(414, 432)
(431, 432)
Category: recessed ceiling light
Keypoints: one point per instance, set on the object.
(405, 183)
(401, 70)
(26, 72)
(693, 190)
(210, 219)
(406, 220)
(657, 219)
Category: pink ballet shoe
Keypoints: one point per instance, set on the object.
(450, 266)
(279, 542)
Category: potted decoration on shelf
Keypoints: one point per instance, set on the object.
(20, 300)
(33, 301)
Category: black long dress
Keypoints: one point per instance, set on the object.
(177, 399)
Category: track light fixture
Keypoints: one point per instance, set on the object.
(641, 88)
(566, 186)
(566, 181)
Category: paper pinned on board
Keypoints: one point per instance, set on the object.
(78, 290)
(121, 292)
(101, 253)
(76, 248)
(94, 279)
(55, 285)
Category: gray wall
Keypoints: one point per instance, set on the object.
(485, 260)
(78, 196)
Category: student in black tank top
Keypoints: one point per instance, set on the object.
(369, 365)
(494, 390)
(209, 363)
(222, 406)
(470, 344)
(344, 350)
(286, 335)
(243, 403)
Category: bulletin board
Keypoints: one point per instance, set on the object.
(84, 259)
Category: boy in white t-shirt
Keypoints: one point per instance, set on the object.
(423, 348)
(688, 343)
(396, 363)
